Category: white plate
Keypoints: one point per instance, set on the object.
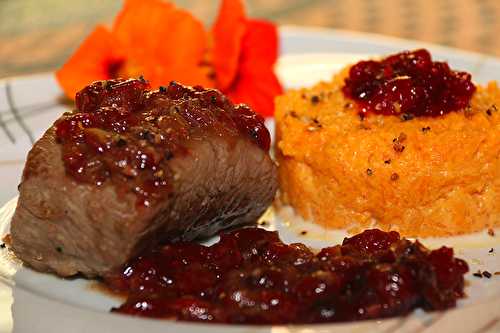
(34, 302)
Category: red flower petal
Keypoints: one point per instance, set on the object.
(90, 62)
(256, 83)
(260, 44)
(228, 32)
(256, 89)
(163, 42)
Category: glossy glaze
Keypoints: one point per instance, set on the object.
(123, 132)
(251, 277)
(408, 84)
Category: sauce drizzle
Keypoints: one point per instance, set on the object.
(124, 132)
(251, 277)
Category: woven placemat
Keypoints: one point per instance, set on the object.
(38, 35)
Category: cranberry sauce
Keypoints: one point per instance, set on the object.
(125, 133)
(408, 83)
(251, 277)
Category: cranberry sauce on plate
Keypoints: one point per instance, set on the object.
(408, 83)
(251, 277)
(121, 131)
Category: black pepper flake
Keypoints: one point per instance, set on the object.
(426, 129)
(491, 232)
(141, 78)
(317, 123)
(121, 142)
(387, 161)
(168, 155)
(315, 99)
(253, 133)
(488, 112)
(407, 116)
(143, 134)
(369, 172)
(487, 274)
(397, 143)
(478, 274)
(152, 138)
(263, 223)
(491, 250)
(163, 89)
(303, 232)
(2, 246)
(394, 176)
(59, 249)
(398, 147)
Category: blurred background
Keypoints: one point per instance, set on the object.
(38, 35)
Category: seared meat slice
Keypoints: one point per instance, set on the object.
(133, 167)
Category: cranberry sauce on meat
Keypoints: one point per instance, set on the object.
(251, 277)
(408, 83)
(125, 133)
(131, 168)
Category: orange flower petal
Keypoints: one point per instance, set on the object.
(166, 42)
(89, 63)
(228, 32)
(256, 83)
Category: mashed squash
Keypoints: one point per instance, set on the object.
(426, 176)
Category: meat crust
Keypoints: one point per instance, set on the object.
(62, 224)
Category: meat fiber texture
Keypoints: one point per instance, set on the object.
(216, 180)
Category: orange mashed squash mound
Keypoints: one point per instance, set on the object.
(428, 176)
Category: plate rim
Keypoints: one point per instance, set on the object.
(360, 37)
(378, 38)
(289, 29)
